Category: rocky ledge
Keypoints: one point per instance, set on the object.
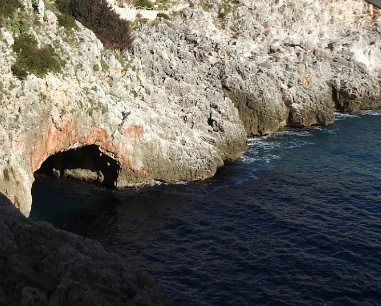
(199, 78)
(41, 265)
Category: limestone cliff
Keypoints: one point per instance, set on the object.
(199, 78)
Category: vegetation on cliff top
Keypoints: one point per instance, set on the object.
(114, 32)
(7, 9)
(146, 4)
(143, 3)
(30, 57)
(97, 15)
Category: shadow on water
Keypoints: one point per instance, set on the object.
(79, 207)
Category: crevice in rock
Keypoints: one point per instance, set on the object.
(344, 102)
(87, 163)
(336, 100)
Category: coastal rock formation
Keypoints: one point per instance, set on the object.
(41, 265)
(103, 98)
(200, 77)
(282, 64)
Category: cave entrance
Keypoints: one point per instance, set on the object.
(87, 163)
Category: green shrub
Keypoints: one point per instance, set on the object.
(31, 59)
(20, 23)
(143, 3)
(64, 20)
(68, 22)
(7, 9)
(114, 32)
(206, 6)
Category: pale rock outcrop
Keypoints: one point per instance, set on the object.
(41, 265)
(8, 37)
(198, 80)
(288, 63)
(40, 10)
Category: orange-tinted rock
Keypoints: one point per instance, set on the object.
(134, 131)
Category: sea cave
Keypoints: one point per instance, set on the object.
(87, 163)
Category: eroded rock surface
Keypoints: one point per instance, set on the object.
(288, 63)
(200, 77)
(41, 265)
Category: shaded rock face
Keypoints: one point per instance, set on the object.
(40, 265)
(193, 87)
(349, 102)
(258, 117)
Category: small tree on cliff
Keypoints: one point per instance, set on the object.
(97, 15)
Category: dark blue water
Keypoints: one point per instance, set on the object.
(296, 221)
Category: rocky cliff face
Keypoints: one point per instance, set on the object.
(40, 265)
(200, 77)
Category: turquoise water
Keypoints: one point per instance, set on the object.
(295, 221)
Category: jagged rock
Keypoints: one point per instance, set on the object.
(41, 265)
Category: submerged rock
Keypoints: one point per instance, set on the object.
(41, 265)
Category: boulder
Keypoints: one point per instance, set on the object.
(41, 265)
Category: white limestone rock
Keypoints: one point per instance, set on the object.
(41, 11)
(8, 37)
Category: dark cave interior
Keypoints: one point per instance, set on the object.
(87, 163)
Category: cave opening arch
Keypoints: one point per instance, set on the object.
(87, 163)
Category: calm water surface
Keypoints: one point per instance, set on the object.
(295, 221)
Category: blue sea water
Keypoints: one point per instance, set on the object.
(295, 221)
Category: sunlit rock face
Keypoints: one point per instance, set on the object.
(198, 80)
(288, 63)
